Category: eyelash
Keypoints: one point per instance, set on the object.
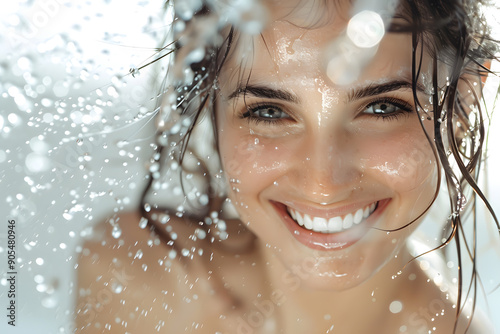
(404, 109)
(248, 115)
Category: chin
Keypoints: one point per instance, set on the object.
(327, 274)
(303, 268)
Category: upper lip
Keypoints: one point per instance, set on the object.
(330, 211)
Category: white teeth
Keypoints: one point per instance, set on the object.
(347, 221)
(358, 216)
(308, 223)
(366, 212)
(320, 224)
(334, 224)
(299, 219)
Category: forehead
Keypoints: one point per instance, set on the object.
(286, 51)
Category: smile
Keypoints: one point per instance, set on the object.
(333, 224)
(330, 229)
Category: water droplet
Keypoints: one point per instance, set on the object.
(195, 56)
(49, 302)
(396, 306)
(138, 254)
(143, 223)
(37, 163)
(221, 225)
(203, 199)
(116, 232)
(164, 218)
(172, 254)
(154, 167)
(201, 234)
(366, 29)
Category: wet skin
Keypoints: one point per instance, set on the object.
(320, 149)
(295, 142)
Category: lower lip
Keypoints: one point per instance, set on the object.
(330, 241)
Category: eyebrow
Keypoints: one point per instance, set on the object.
(265, 92)
(354, 94)
(377, 89)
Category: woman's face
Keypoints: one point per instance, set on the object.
(316, 169)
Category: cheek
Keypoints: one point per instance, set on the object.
(405, 165)
(249, 163)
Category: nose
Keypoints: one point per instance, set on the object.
(326, 171)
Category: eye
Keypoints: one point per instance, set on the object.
(381, 108)
(265, 113)
(388, 108)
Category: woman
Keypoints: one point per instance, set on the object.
(334, 122)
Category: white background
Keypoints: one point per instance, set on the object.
(55, 178)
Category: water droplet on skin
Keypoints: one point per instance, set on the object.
(221, 225)
(201, 234)
(143, 223)
(424, 265)
(396, 306)
(116, 232)
(138, 254)
(164, 218)
(366, 29)
(172, 254)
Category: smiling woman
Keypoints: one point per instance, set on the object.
(334, 122)
(321, 151)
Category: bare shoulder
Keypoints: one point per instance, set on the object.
(109, 273)
(432, 308)
(131, 281)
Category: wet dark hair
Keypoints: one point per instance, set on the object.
(452, 32)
